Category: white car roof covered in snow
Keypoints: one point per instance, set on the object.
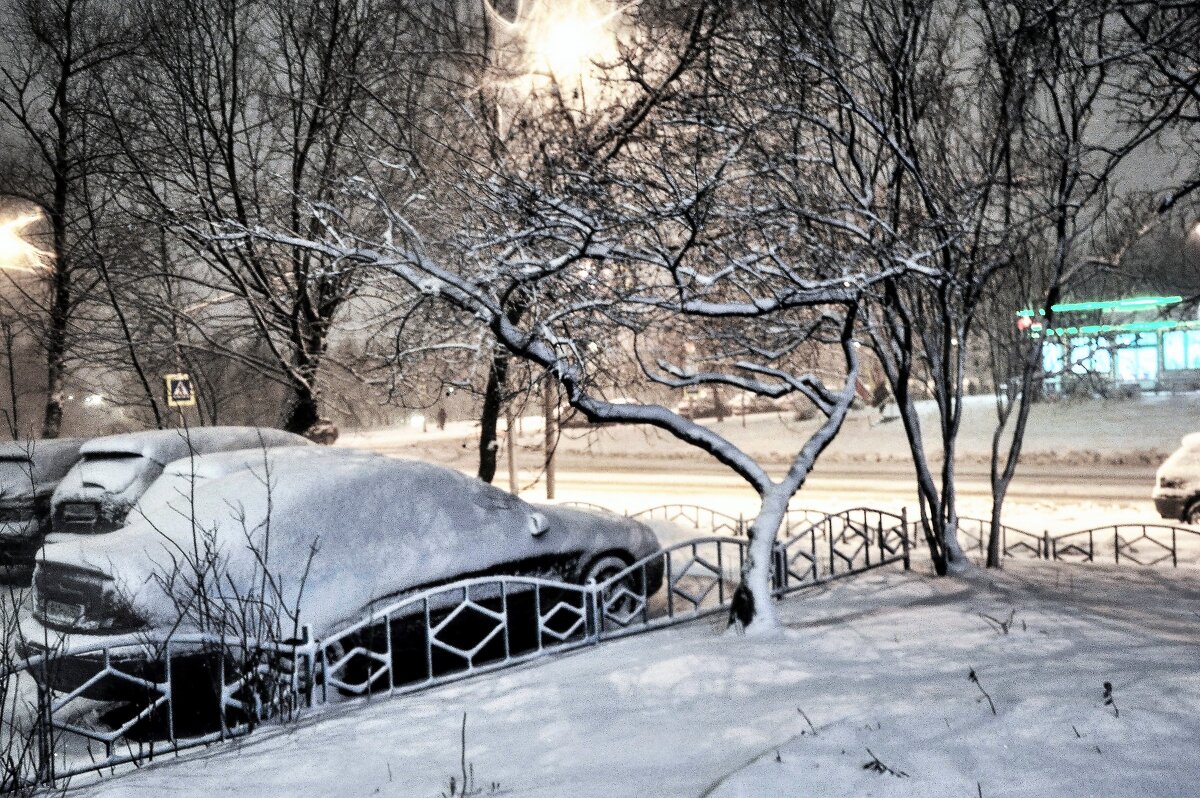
(184, 475)
(167, 445)
(41, 464)
(379, 526)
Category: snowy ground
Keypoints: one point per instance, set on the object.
(1139, 431)
(879, 662)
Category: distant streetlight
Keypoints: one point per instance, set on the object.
(16, 253)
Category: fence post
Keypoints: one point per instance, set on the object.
(741, 528)
(1050, 553)
(779, 571)
(904, 536)
(170, 700)
(310, 664)
(594, 603)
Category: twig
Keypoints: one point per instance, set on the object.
(974, 678)
(1109, 701)
(804, 715)
(999, 626)
(876, 765)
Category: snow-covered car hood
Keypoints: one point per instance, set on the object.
(29, 469)
(378, 527)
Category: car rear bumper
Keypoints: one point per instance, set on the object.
(1170, 506)
(19, 543)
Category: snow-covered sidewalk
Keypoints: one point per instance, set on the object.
(878, 662)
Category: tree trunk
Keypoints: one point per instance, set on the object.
(56, 350)
(752, 605)
(489, 418)
(302, 410)
(551, 439)
(510, 441)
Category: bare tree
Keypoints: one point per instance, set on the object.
(54, 51)
(616, 220)
(254, 112)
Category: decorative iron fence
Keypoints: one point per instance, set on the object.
(192, 690)
(1141, 544)
(87, 709)
(716, 522)
(840, 544)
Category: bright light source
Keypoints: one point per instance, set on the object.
(17, 254)
(568, 43)
(566, 40)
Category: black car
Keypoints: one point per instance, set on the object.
(29, 473)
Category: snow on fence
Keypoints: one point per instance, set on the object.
(195, 690)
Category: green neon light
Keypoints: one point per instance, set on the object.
(1134, 303)
(1134, 326)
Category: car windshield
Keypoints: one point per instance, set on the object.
(111, 472)
(16, 475)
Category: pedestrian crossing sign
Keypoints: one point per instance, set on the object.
(180, 392)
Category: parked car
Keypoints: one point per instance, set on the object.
(342, 533)
(1177, 483)
(112, 473)
(29, 473)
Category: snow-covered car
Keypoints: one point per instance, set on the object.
(1176, 491)
(112, 472)
(29, 473)
(342, 535)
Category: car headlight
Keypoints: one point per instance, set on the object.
(78, 600)
(1170, 482)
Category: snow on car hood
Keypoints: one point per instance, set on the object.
(379, 526)
(33, 468)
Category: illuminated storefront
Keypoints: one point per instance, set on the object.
(1117, 342)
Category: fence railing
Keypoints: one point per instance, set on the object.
(192, 690)
(1141, 544)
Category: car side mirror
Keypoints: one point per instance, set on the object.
(538, 524)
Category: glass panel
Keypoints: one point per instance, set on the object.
(1052, 358)
(1127, 365)
(1081, 355)
(1173, 349)
(1193, 349)
(1147, 363)
(1102, 361)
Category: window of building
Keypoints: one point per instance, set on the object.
(1181, 349)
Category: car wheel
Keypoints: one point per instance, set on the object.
(604, 568)
(1192, 514)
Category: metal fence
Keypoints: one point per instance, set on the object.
(1140, 544)
(141, 698)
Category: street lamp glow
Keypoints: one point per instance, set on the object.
(568, 43)
(566, 39)
(17, 254)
